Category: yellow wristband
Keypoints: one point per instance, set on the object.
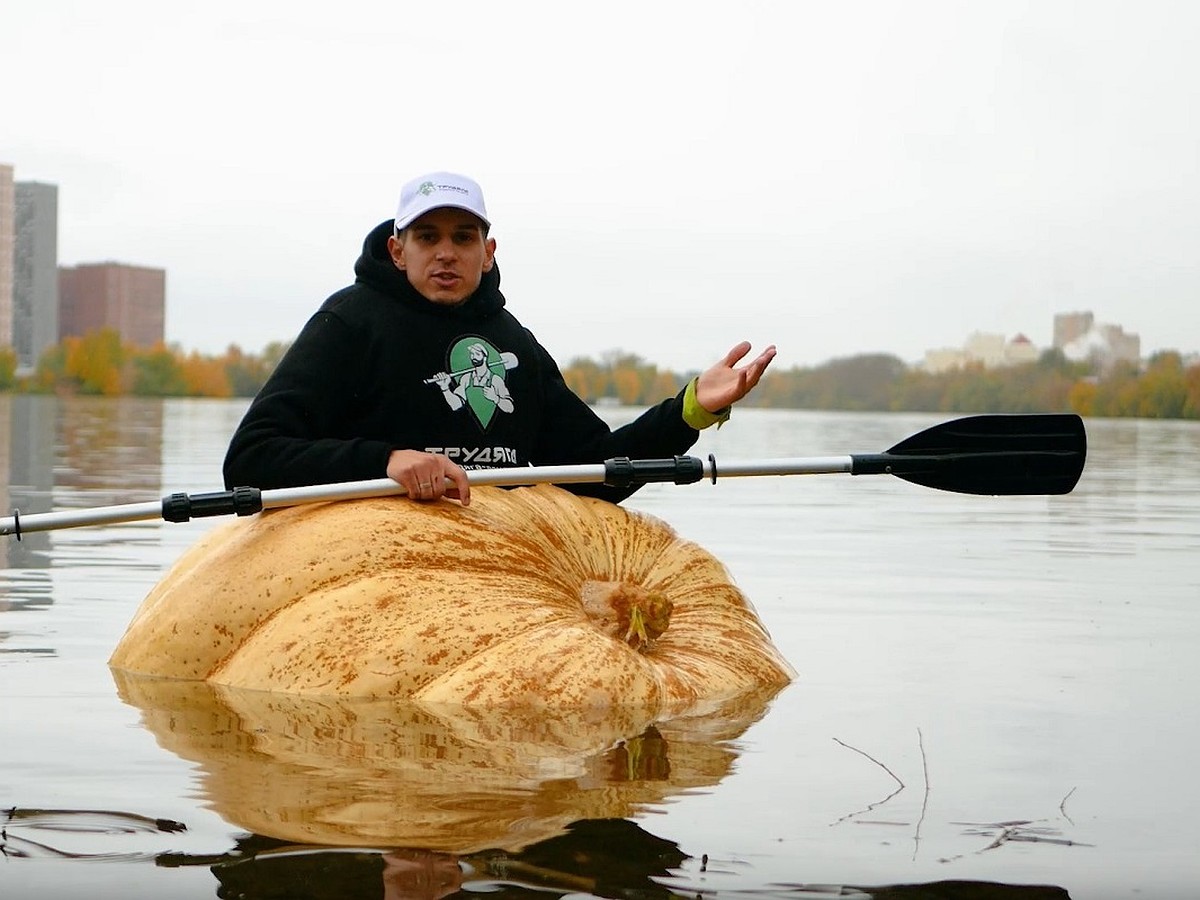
(696, 415)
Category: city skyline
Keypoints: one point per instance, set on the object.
(134, 301)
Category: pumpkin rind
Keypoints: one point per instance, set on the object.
(442, 603)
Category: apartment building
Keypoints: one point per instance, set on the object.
(7, 236)
(35, 271)
(128, 299)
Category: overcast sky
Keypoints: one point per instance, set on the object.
(664, 178)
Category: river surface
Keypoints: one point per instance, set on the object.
(997, 695)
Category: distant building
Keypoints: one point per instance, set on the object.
(1021, 350)
(35, 272)
(7, 236)
(129, 299)
(944, 359)
(1071, 326)
(991, 351)
(1076, 334)
(1081, 339)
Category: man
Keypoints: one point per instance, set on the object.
(417, 371)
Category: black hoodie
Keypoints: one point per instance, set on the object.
(380, 368)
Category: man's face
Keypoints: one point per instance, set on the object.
(444, 254)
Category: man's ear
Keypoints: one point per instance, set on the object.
(396, 251)
(489, 257)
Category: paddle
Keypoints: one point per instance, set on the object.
(997, 454)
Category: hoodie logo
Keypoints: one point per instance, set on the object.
(475, 379)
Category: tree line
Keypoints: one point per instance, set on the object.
(1164, 387)
(99, 363)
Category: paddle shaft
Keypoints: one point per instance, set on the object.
(997, 454)
(184, 507)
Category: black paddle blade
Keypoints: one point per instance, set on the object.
(1000, 454)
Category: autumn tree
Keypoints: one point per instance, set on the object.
(157, 373)
(1117, 392)
(1191, 403)
(586, 379)
(8, 368)
(205, 376)
(246, 373)
(1162, 388)
(95, 363)
(665, 384)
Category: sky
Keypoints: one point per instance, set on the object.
(664, 178)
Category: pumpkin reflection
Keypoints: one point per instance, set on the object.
(529, 596)
(458, 779)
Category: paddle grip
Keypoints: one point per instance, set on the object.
(621, 471)
(244, 501)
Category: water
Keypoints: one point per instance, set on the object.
(991, 691)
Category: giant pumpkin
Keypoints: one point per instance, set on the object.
(531, 596)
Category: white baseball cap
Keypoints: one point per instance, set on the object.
(437, 190)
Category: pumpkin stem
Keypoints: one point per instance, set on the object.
(626, 612)
(636, 635)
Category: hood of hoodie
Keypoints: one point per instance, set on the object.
(375, 269)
